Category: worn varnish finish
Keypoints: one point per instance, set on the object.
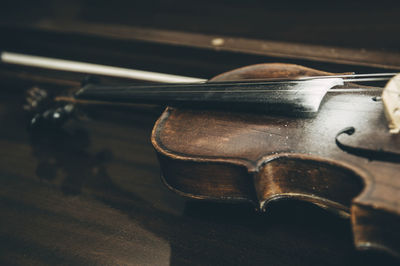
(259, 158)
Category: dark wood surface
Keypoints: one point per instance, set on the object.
(359, 24)
(90, 193)
(360, 33)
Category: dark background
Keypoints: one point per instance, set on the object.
(367, 24)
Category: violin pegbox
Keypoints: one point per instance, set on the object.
(391, 102)
(46, 109)
(43, 111)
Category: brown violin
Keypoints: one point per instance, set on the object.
(274, 131)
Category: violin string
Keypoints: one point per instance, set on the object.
(365, 79)
(309, 91)
(345, 77)
(353, 76)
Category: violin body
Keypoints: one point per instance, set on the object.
(344, 159)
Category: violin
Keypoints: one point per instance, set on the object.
(317, 140)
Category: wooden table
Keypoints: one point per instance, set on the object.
(90, 193)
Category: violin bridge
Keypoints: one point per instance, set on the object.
(391, 102)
